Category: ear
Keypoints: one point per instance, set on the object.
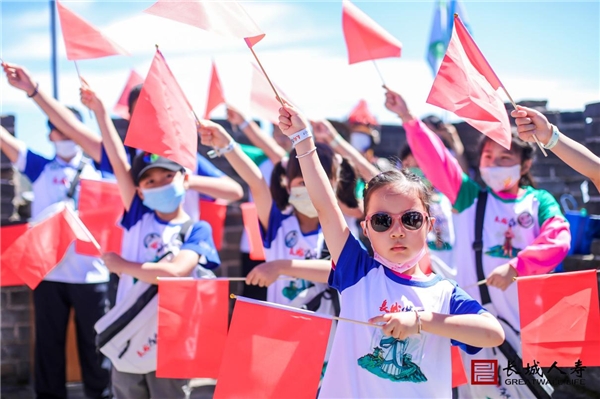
(186, 181)
(139, 192)
(431, 223)
(526, 166)
(363, 225)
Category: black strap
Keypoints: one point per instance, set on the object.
(75, 181)
(478, 246)
(515, 360)
(184, 230)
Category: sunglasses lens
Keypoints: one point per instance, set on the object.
(381, 222)
(412, 220)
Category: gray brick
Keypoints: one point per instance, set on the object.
(15, 316)
(24, 333)
(23, 374)
(7, 334)
(15, 351)
(19, 299)
(8, 371)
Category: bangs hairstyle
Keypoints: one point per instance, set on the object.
(523, 149)
(344, 172)
(408, 181)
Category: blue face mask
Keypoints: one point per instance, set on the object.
(164, 199)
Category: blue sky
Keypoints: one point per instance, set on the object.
(540, 50)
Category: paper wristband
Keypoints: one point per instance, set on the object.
(300, 136)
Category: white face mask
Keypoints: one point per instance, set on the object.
(301, 202)
(360, 141)
(66, 148)
(501, 178)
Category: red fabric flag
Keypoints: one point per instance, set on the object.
(8, 235)
(365, 38)
(251, 225)
(560, 318)
(100, 209)
(226, 18)
(35, 253)
(215, 92)
(122, 106)
(459, 376)
(465, 89)
(163, 122)
(263, 102)
(214, 212)
(82, 40)
(192, 327)
(272, 351)
(361, 114)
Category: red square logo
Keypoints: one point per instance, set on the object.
(484, 372)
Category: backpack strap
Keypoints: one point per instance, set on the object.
(75, 182)
(185, 227)
(478, 245)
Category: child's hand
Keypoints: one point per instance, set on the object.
(530, 122)
(502, 276)
(234, 116)
(395, 103)
(113, 262)
(212, 134)
(264, 274)
(19, 78)
(290, 121)
(89, 98)
(399, 325)
(324, 132)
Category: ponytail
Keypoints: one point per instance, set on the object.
(278, 187)
(346, 185)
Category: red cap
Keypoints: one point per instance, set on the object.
(361, 115)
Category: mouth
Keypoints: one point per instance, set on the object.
(398, 248)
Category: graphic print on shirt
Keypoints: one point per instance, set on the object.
(295, 287)
(157, 250)
(393, 359)
(506, 250)
(439, 237)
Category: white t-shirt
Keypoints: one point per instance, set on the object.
(441, 239)
(51, 180)
(366, 364)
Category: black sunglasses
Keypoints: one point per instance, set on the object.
(411, 220)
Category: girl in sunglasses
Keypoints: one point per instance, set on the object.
(415, 317)
(521, 232)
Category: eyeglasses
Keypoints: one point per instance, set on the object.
(411, 220)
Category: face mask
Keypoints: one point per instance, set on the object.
(301, 202)
(360, 141)
(66, 148)
(501, 178)
(164, 199)
(398, 267)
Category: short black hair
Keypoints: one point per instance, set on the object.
(133, 96)
(434, 121)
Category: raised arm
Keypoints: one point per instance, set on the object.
(59, 115)
(317, 183)
(213, 135)
(531, 122)
(266, 143)
(112, 144)
(223, 187)
(9, 145)
(265, 274)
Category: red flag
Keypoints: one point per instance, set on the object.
(8, 235)
(163, 122)
(82, 40)
(250, 218)
(272, 351)
(459, 376)
(560, 318)
(122, 106)
(215, 92)
(100, 209)
(35, 253)
(214, 212)
(361, 114)
(466, 85)
(192, 327)
(263, 102)
(365, 39)
(226, 18)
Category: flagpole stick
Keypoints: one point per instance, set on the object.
(87, 232)
(480, 282)
(267, 76)
(81, 82)
(379, 73)
(537, 141)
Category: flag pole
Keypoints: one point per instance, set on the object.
(516, 109)
(87, 232)
(379, 73)
(81, 81)
(266, 76)
(482, 282)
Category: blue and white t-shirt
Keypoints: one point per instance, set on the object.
(51, 180)
(283, 239)
(364, 363)
(149, 239)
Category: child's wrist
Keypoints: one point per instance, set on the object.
(217, 152)
(300, 136)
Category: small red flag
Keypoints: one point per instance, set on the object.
(361, 114)
(263, 102)
(560, 318)
(466, 85)
(215, 92)
(100, 209)
(35, 253)
(82, 40)
(459, 376)
(214, 212)
(226, 18)
(8, 235)
(192, 327)
(122, 106)
(272, 351)
(251, 225)
(365, 38)
(163, 122)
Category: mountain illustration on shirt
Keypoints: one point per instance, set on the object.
(390, 360)
(295, 287)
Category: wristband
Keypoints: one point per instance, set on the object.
(217, 152)
(300, 136)
(419, 325)
(553, 140)
(307, 153)
(243, 125)
(35, 91)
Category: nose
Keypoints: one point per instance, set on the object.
(397, 230)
